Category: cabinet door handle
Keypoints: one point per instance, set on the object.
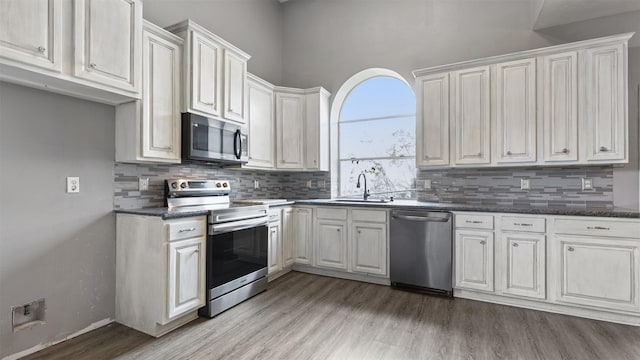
(196, 250)
(509, 153)
(515, 244)
(483, 242)
(522, 224)
(570, 248)
(186, 230)
(93, 65)
(473, 222)
(603, 149)
(41, 49)
(565, 150)
(597, 228)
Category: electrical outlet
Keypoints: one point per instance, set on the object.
(587, 184)
(256, 184)
(525, 184)
(73, 184)
(309, 184)
(426, 184)
(28, 315)
(322, 184)
(143, 184)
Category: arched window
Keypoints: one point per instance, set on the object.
(376, 132)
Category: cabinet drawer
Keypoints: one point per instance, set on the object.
(474, 221)
(274, 215)
(514, 223)
(369, 215)
(182, 229)
(333, 213)
(626, 229)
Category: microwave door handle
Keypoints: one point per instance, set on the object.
(237, 145)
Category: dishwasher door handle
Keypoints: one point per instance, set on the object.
(420, 218)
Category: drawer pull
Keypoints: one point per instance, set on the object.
(522, 224)
(565, 151)
(570, 248)
(41, 49)
(482, 242)
(186, 230)
(515, 244)
(603, 149)
(474, 222)
(597, 228)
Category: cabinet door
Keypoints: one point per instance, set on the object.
(523, 261)
(186, 276)
(235, 85)
(474, 260)
(597, 272)
(368, 248)
(471, 112)
(331, 244)
(316, 143)
(205, 90)
(288, 245)
(261, 125)
(605, 103)
(303, 235)
(290, 131)
(30, 32)
(161, 79)
(516, 111)
(432, 120)
(275, 249)
(108, 38)
(560, 106)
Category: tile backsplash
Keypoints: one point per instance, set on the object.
(553, 187)
(273, 185)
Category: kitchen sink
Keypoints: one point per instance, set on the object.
(373, 201)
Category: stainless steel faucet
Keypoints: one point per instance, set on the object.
(365, 195)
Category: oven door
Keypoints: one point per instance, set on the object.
(236, 257)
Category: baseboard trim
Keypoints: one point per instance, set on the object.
(342, 275)
(43, 346)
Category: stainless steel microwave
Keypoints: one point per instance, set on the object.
(211, 140)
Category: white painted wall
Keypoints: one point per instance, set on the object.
(55, 245)
(252, 25)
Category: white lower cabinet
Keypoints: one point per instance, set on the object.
(288, 244)
(368, 248)
(160, 271)
(275, 248)
(598, 272)
(523, 264)
(474, 260)
(302, 230)
(331, 244)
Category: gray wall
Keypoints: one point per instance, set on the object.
(54, 245)
(254, 26)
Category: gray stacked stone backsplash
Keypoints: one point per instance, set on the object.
(550, 187)
(273, 185)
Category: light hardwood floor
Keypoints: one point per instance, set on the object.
(305, 316)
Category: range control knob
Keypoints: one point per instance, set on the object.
(174, 185)
(218, 184)
(224, 184)
(183, 185)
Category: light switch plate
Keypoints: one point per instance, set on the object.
(73, 184)
(256, 184)
(143, 184)
(587, 184)
(525, 184)
(427, 184)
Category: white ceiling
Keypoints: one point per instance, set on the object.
(548, 13)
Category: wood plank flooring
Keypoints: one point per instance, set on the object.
(305, 316)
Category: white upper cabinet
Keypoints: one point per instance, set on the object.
(149, 131)
(290, 134)
(30, 32)
(261, 121)
(316, 142)
(432, 120)
(108, 42)
(235, 84)
(471, 111)
(605, 105)
(215, 74)
(559, 105)
(515, 111)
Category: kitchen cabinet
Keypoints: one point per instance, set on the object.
(31, 32)
(368, 248)
(107, 42)
(261, 122)
(559, 101)
(474, 260)
(215, 74)
(149, 130)
(160, 271)
(471, 112)
(303, 235)
(275, 247)
(302, 129)
(331, 244)
(432, 120)
(288, 239)
(515, 111)
(523, 264)
(605, 103)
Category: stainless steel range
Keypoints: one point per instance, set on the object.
(237, 240)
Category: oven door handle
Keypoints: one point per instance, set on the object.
(238, 225)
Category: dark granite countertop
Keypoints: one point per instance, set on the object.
(167, 213)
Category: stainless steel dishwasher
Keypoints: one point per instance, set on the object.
(420, 251)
